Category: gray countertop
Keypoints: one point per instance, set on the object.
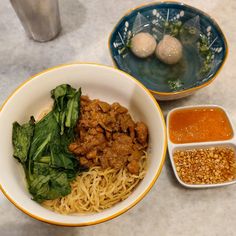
(169, 209)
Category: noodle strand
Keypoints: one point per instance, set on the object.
(98, 189)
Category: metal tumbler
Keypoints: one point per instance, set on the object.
(40, 18)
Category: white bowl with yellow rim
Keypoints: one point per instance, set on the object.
(97, 81)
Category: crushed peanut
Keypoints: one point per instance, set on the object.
(206, 166)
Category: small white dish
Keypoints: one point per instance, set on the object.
(172, 147)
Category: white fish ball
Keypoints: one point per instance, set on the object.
(169, 50)
(143, 45)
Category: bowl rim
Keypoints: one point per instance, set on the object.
(189, 90)
(147, 189)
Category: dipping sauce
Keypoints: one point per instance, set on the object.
(199, 125)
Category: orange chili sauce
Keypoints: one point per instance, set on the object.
(199, 125)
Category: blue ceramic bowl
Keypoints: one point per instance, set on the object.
(204, 48)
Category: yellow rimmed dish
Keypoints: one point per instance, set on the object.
(97, 81)
(156, 76)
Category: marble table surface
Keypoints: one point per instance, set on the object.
(169, 209)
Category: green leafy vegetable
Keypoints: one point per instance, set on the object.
(206, 53)
(21, 139)
(53, 185)
(66, 105)
(173, 27)
(43, 147)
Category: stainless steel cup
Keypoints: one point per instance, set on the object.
(40, 18)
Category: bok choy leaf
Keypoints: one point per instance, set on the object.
(42, 147)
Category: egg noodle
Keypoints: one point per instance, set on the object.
(98, 189)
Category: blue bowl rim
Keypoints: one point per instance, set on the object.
(189, 90)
